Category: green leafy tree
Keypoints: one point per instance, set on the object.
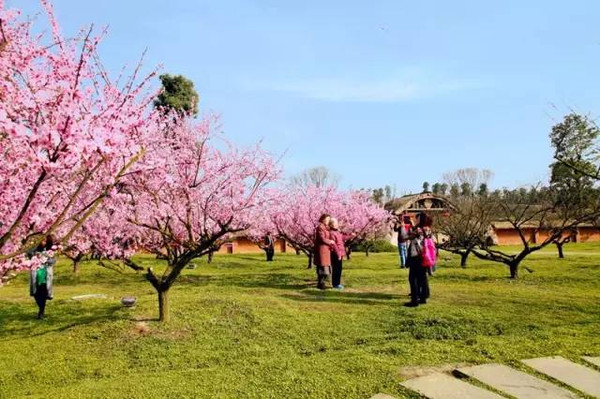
(575, 143)
(378, 196)
(483, 190)
(383, 195)
(443, 188)
(454, 190)
(573, 189)
(178, 94)
(426, 187)
(466, 189)
(523, 194)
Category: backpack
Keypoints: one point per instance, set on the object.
(429, 254)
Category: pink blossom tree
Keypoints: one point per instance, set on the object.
(68, 133)
(106, 234)
(297, 210)
(189, 197)
(362, 219)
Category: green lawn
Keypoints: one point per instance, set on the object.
(244, 328)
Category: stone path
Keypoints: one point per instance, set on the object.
(593, 360)
(516, 383)
(579, 377)
(89, 296)
(382, 396)
(443, 386)
(504, 379)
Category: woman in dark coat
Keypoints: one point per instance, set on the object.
(41, 278)
(417, 274)
(323, 245)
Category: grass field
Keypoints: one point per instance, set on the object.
(243, 328)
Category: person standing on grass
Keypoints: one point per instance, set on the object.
(429, 251)
(402, 227)
(417, 274)
(41, 277)
(269, 246)
(323, 245)
(338, 251)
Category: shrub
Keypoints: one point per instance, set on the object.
(375, 246)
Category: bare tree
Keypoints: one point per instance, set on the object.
(319, 176)
(467, 226)
(538, 222)
(472, 178)
(548, 218)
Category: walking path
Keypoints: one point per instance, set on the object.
(443, 386)
(515, 382)
(509, 381)
(573, 374)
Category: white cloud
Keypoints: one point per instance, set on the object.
(405, 87)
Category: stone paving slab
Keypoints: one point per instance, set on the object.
(593, 360)
(382, 396)
(516, 383)
(443, 386)
(89, 296)
(579, 377)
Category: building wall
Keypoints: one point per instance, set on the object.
(588, 234)
(243, 245)
(511, 236)
(544, 234)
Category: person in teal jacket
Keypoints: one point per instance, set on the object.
(41, 278)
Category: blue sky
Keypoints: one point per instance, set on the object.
(381, 92)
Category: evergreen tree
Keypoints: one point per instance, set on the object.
(178, 94)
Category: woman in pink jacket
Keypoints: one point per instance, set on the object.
(338, 251)
(322, 255)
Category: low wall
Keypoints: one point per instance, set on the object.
(511, 236)
(243, 245)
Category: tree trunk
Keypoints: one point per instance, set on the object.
(514, 269)
(76, 266)
(559, 246)
(310, 261)
(463, 258)
(163, 305)
(210, 257)
(367, 251)
(348, 253)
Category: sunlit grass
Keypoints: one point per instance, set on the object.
(244, 328)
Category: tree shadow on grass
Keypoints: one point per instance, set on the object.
(18, 321)
(356, 298)
(458, 277)
(282, 281)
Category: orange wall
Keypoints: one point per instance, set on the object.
(243, 245)
(511, 237)
(544, 234)
(588, 234)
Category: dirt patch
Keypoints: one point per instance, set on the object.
(409, 372)
(141, 328)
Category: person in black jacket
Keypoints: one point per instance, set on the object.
(417, 274)
(269, 247)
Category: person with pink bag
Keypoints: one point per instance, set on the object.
(429, 255)
(417, 274)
